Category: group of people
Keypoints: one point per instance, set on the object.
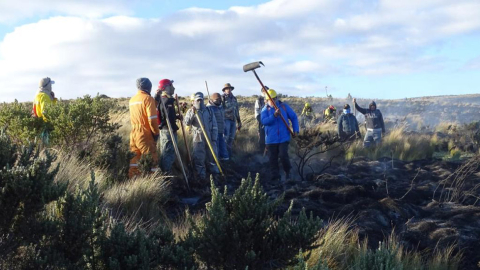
(154, 118)
(214, 123)
(347, 124)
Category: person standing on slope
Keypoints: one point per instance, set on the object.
(374, 121)
(45, 96)
(201, 152)
(232, 118)
(277, 135)
(347, 125)
(215, 104)
(164, 95)
(145, 132)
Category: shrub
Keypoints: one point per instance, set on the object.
(26, 187)
(20, 125)
(241, 230)
(138, 250)
(114, 157)
(83, 123)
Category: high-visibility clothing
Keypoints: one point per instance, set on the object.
(308, 111)
(143, 117)
(40, 102)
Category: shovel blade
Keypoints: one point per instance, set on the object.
(252, 66)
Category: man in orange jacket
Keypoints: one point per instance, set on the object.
(145, 132)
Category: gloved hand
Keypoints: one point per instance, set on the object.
(179, 117)
(277, 112)
(155, 137)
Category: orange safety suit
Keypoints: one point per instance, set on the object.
(143, 117)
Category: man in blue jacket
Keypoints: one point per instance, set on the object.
(277, 135)
(347, 125)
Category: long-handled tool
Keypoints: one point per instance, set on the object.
(190, 161)
(208, 141)
(206, 85)
(252, 67)
(175, 146)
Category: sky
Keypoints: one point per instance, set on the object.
(383, 49)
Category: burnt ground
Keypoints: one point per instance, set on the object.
(380, 196)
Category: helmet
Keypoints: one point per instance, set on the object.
(272, 93)
(198, 95)
(164, 83)
(307, 104)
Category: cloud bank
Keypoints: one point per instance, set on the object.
(301, 42)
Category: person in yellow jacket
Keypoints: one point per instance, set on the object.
(44, 97)
(307, 115)
(329, 114)
(145, 131)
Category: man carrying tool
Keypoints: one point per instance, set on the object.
(329, 113)
(232, 114)
(374, 122)
(145, 132)
(201, 151)
(259, 104)
(44, 98)
(277, 134)
(307, 115)
(347, 125)
(215, 104)
(164, 95)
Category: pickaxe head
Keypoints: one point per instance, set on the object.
(252, 66)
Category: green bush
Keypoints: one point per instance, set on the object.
(19, 124)
(26, 187)
(114, 157)
(82, 123)
(241, 230)
(138, 250)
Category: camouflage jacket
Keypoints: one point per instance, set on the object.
(230, 105)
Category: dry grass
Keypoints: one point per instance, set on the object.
(76, 172)
(398, 145)
(141, 197)
(338, 246)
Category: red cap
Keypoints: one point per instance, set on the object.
(164, 83)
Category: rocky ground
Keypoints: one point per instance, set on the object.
(381, 196)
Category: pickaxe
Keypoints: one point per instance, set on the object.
(252, 67)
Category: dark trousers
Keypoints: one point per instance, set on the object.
(261, 135)
(275, 151)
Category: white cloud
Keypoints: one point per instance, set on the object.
(301, 42)
(16, 10)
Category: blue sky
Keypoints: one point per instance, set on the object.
(370, 49)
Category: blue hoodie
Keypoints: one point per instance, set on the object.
(275, 129)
